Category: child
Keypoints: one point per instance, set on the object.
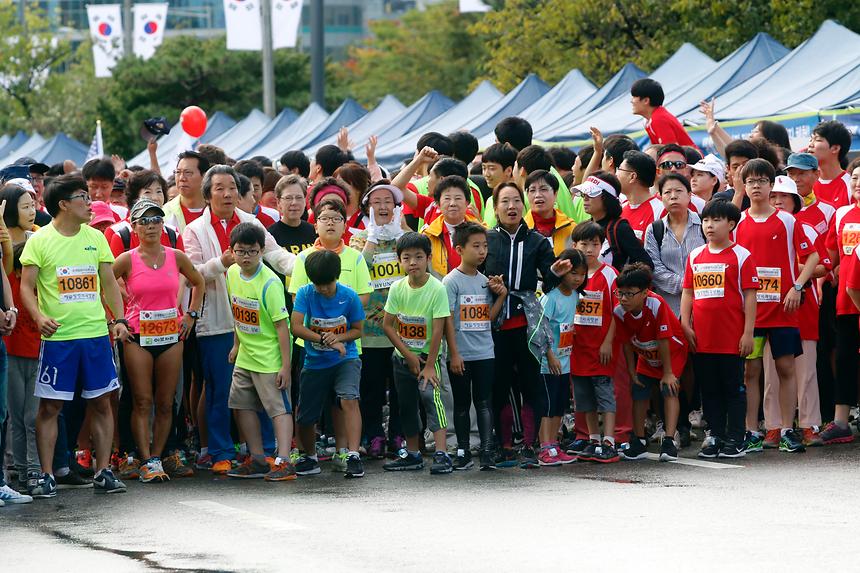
(718, 309)
(559, 307)
(593, 343)
(415, 316)
(830, 144)
(652, 331)
(471, 353)
(329, 317)
(261, 354)
(778, 241)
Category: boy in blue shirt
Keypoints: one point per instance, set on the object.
(329, 316)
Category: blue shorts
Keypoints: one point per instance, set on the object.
(67, 366)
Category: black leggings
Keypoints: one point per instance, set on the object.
(376, 376)
(724, 399)
(477, 382)
(847, 342)
(516, 368)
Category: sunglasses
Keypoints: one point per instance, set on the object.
(671, 164)
(154, 220)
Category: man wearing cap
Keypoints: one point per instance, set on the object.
(707, 176)
(100, 174)
(186, 207)
(37, 178)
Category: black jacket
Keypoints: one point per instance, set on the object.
(621, 245)
(522, 260)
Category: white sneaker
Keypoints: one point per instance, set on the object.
(9, 495)
(659, 433)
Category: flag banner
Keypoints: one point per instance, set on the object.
(286, 20)
(97, 148)
(150, 20)
(106, 32)
(473, 6)
(243, 22)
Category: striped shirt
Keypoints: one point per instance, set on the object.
(670, 258)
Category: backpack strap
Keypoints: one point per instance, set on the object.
(659, 230)
(125, 234)
(171, 236)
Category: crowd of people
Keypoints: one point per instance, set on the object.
(516, 306)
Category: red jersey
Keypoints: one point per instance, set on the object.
(266, 215)
(718, 281)
(642, 215)
(591, 323)
(852, 279)
(811, 304)
(842, 237)
(778, 243)
(818, 215)
(837, 191)
(25, 339)
(663, 128)
(655, 322)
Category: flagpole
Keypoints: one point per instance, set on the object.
(268, 62)
(99, 140)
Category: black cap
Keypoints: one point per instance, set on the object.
(153, 127)
(35, 166)
(15, 172)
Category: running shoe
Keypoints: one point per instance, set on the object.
(45, 487)
(282, 470)
(106, 482)
(9, 496)
(405, 461)
(222, 467)
(730, 450)
(442, 463)
(636, 450)
(73, 481)
(697, 419)
(753, 442)
(31, 480)
(548, 456)
(354, 467)
(376, 451)
(576, 447)
(528, 459)
(833, 433)
(710, 448)
(812, 437)
(84, 461)
(507, 458)
(771, 440)
(488, 461)
(176, 466)
(463, 461)
(659, 432)
(791, 442)
(152, 471)
(322, 452)
(564, 457)
(606, 453)
(338, 462)
(589, 452)
(203, 462)
(307, 466)
(668, 450)
(129, 467)
(295, 455)
(251, 468)
(115, 460)
(396, 444)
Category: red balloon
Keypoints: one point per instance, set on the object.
(193, 121)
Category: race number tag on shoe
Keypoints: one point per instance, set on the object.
(158, 327)
(709, 280)
(384, 270)
(769, 284)
(333, 325)
(77, 284)
(412, 330)
(474, 312)
(246, 312)
(589, 311)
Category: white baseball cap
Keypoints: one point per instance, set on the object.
(594, 186)
(711, 164)
(24, 184)
(785, 184)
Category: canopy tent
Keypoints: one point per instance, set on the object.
(242, 130)
(367, 125)
(32, 143)
(313, 116)
(529, 90)
(429, 107)
(13, 143)
(4, 139)
(348, 112)
(59, 148)
(617, 85)
(169, 145)
(392, 153)
(281, 122)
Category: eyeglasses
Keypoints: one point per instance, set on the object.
(671, 164)
(248, 253)
(543, 189)
(625, 170)
(292, 198)
(180, 174)
(154, 220)
(623, 294)
(758, 181)
(84, 196)
(335, 220)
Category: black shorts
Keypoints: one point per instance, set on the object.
(155, 351)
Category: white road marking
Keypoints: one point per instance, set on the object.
(696, 463)
(248, 517)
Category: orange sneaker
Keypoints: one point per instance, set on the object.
(811, 437)
(222, 467)
(771, 439)
(129, 467)
(84, 459)
(115, 460)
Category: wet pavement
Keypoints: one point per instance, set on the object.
(765, 512)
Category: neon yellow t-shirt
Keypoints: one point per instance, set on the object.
(68, 282)
(258, 303)
(415, 309)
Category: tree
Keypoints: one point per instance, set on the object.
(426, 50)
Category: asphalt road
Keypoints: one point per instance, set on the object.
(766, 512)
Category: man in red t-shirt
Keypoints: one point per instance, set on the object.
(636, 174)
(830, 144)
(662, 127)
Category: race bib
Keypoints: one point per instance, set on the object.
(384, 270)
(474, 312)
(412, 330)
(159, 327)
(647, 351)
(589, 311)
(709, 280)
(769, 281)
(850, 237)
(565, 339)
(246, 313)
(333, 325)
(77, 284)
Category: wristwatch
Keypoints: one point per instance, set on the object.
(193, 314)
(798, 287)
(119, 321)
(13, 309)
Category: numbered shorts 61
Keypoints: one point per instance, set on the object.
(85, 365)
